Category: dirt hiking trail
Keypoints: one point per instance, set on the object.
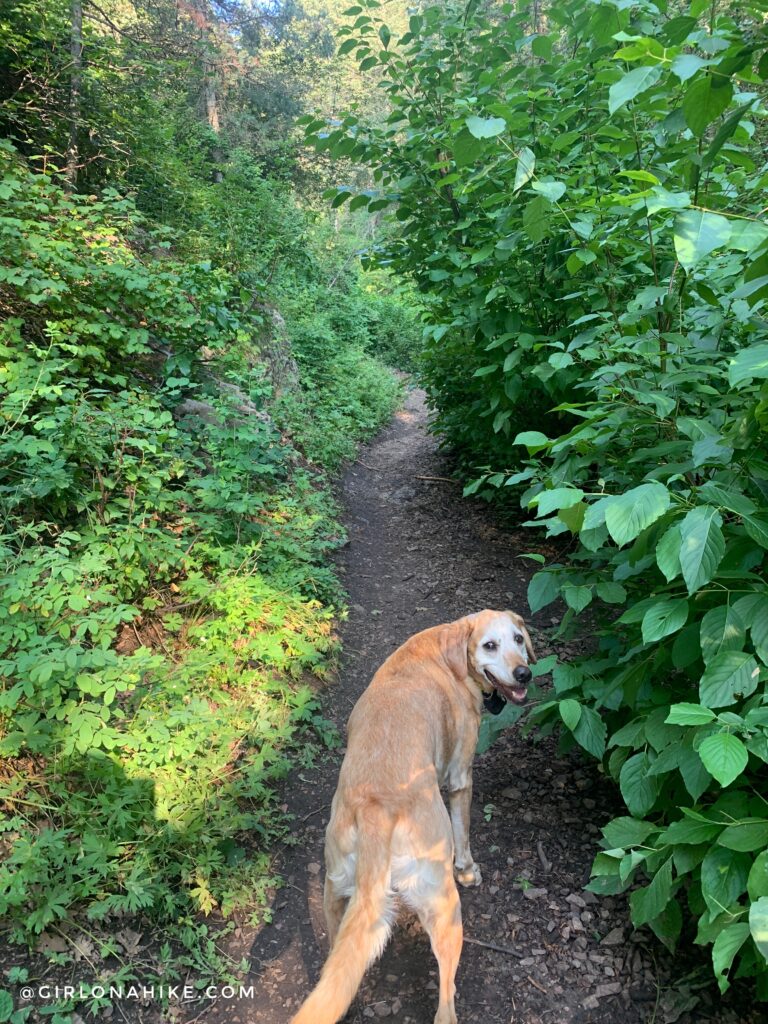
(538, 948)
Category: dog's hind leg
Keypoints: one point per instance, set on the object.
(439, 911)
(334, 907)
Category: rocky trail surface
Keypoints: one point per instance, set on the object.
(538, 948)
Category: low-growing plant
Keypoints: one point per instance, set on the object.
(164, 565)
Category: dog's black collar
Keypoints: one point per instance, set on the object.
(494, 702)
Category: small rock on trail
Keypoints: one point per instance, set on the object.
(538, 949)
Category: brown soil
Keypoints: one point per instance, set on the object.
(538, 948)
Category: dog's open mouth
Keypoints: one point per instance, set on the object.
(517, 694)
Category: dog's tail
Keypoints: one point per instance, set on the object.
(365, 927)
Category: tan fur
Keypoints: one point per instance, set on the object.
(413, 730)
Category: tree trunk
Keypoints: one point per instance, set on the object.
(75, 86)
(212, 113)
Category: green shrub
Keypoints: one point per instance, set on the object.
(166, 588)
(581, 203)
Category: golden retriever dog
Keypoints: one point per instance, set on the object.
(390, 836)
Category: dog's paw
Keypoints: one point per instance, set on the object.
(469, 876)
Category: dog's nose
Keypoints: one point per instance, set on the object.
(522, 674)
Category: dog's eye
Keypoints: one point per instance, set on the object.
(518, 638)
(490, 645)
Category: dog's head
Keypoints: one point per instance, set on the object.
(499, 651)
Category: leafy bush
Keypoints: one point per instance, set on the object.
(581, 201)
(346, 393)
(167, 593)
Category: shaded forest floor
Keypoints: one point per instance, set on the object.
(418, 555)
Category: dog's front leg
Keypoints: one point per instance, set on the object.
(460, 800)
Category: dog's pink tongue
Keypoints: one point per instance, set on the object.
(515, 693)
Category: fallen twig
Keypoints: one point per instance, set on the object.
(545, 863)
(536, 984)
(492, 945)
(441, 479)
(316, 811)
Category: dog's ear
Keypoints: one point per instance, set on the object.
(518, 621)
(455, 642)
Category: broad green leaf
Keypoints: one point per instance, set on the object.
(542, 590)
(533, 440)
(724, 756)
(668, 553)
(703, 102)
(551, 190)
(346, 47)
(711, 450)
(728, 676)
(661, 199)
(577, 597)
(590, 732)
(560, 359)
(492, 725)
(637, 787)
(664, 618)
(526, 162)
(726, 497)
(685, 65)
(485, 127)
(695, 776)
(573, 517)
(757, 529)
(557, 498)
(668, 925)
(6, 1007)
(757, 883)
(697, 233)
(758, 629)
(566, 677)
(747, 835)
(570, 712)
(610, 592)
(688, 831)
(724, 949)
(678, 29)
(649, 902)
(721, 630)
(624, 832)
(542, 47)
(748, 363)
(723, 878)
(465, 148)
(628, 514)
(689, 714)
(536, 217)
(702, 546)
(758, 925)
(631, 85)
(747, 235)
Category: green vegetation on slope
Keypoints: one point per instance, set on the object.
(581, 194)
(186, 352)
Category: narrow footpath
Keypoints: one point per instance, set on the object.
(538, 949)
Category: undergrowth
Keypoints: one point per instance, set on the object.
(164, 559)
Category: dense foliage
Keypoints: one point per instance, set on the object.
(186, 353)
(581, 196)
